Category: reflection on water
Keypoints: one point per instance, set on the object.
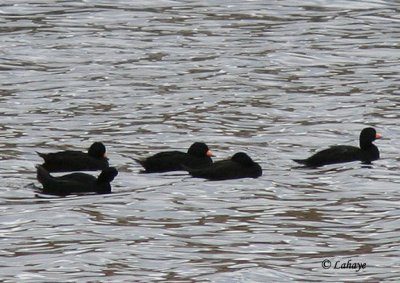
(278, 81)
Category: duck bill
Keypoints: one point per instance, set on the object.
(378, 136)
(210, 153)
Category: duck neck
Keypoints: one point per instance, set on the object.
(366, 145)
(103, 188)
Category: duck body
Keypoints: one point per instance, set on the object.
(240, 165)
(76, 183)
(70, 160)
(340, 154)
(366, 153)
(198, 156)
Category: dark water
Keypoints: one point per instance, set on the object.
(276, 79)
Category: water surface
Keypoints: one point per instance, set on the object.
(278, 80)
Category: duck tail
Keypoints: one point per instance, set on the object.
(301, 161)
(42, 174)
(139, 161)
(42, 155)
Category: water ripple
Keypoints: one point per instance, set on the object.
(278, 81)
